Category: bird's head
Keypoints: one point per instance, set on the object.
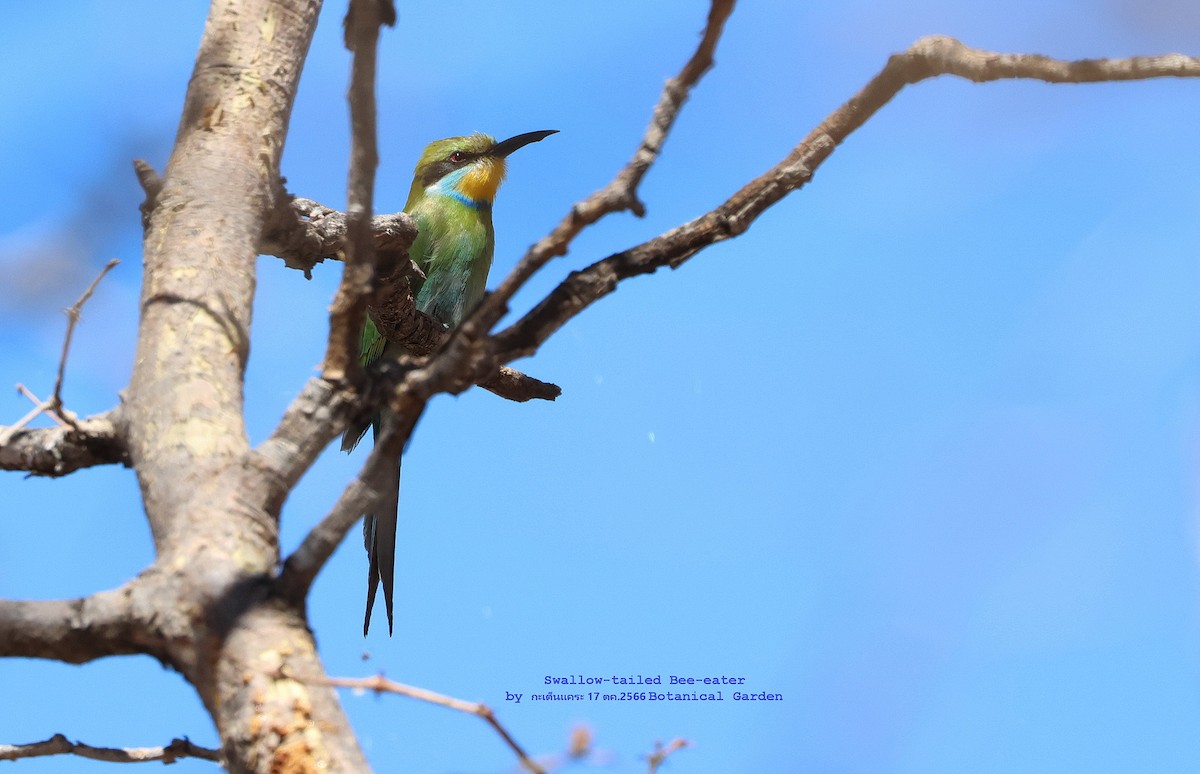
(468, 168)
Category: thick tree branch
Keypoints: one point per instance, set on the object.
(215, 519)
(927, 58)
(60, 745)
(57, 451)
(304, 233)
(75, 631)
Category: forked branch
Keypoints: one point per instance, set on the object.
(621, 193)
(927, 58)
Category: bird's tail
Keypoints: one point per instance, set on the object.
(379, 536)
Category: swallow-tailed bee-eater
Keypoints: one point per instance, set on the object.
(453, 188)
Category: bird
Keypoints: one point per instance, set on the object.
(454, 185)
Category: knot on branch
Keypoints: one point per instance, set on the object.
(304, 233)
(395, 313)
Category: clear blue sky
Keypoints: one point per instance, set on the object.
(918, 452)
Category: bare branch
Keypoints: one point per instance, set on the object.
(621, 193)
(512, 384)
(54, 405)
(60, 745)
(314, 418)
(927, 58)
(57, 451)
(73, 313)
(380, 684)
(320, 412)
(363, 20)
(400, 322)
(41, 406)
(304, 233)
(75, 631)
(938, 55)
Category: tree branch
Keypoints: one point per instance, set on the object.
(621, 193)
(60, 745)
(927, 58)
(363, 21)
(303, 233)
(75, 631)
(57, 451)
(380, 684)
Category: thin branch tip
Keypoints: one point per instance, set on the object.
(380, 684)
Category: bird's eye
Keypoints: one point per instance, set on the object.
(458, 157)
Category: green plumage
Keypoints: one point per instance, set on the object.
(450, 201)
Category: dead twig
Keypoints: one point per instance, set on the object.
(39, 406)
(53, 406)
(380, 684)
(60, 745)
(73, 313)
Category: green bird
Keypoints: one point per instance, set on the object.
(453, 188)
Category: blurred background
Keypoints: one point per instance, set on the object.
(918, 452)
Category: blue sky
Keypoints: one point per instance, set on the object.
(917, 452)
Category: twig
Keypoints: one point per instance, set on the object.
(73, 313)
(621, 193)
(60, 745)
(380, 684)
(39, 406)
(53, 406)
(657, 758)
(927, 58)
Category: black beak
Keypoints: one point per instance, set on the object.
(502, 149)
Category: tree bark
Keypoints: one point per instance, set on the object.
(246, 651)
